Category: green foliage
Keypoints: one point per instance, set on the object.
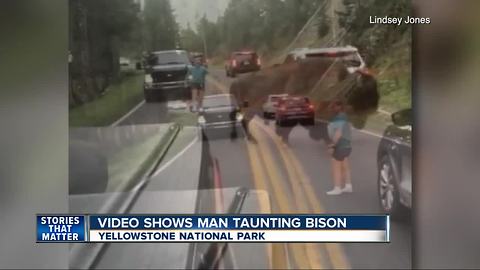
(161, 29)
(103, 30)
(372, 39)
(394, 75)
(324, 24)
(100, 30)
(263, 25)
(117, 100)
(190, 40)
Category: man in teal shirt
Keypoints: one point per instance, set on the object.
(340, 147)
(196, 75)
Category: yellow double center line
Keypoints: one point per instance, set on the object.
(264, 168)
(301, 186)
(281, 196)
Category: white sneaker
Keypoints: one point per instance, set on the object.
(348, 188)
(335, 191)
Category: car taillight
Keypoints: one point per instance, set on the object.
(311, 107)
(259, 62)
(234, 62)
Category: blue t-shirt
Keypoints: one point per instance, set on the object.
(198, 73)
(340, 122)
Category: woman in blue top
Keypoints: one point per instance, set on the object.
(197, 74)
(340, 147)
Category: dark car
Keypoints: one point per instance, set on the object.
(166, 76)
(394, 159)
(220, 115)
(242, 62)
(295, 109)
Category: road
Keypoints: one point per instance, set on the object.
(296, 177)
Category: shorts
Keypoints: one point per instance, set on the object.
(340, 153)
(198, 86)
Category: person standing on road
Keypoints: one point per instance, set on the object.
(197, 74)
(339, 148)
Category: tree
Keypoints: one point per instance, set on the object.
(161, 29)
(190, 40)
(372, 39)
(97, 28)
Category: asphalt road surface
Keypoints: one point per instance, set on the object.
(296, 177)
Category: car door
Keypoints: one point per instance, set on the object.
(402, 139)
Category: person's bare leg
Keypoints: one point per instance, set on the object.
(337, 177)
(345, 166)
(338, 173)
(346, 171)
(200, 95)
(194, 98)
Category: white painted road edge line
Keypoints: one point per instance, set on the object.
(164, 166)
(128, 113)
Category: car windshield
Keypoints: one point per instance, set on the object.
(275, 98)
(218, 101)
(292, 102)
(169, 58)
(351, 58)
(245, 56)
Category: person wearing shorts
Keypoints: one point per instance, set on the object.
(197, 74)
(339, 148)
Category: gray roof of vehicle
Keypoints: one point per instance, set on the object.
(301, 51)
(218, 95)
(169, 51)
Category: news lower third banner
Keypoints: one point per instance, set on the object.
(213, 228)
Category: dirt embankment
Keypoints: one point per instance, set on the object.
(322, 80)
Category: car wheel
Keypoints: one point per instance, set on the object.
(233, 74)
(388, 192)
(307, 122)
(161, 97)
(310, 122)
(148, 97)
(233, 135)
(266, 115)
(226, 73)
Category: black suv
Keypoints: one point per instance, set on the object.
(166, 76)
(394, 159)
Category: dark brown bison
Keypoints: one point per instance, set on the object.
(322, 80)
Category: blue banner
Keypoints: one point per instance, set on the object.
(239, 222)
(60, 228)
